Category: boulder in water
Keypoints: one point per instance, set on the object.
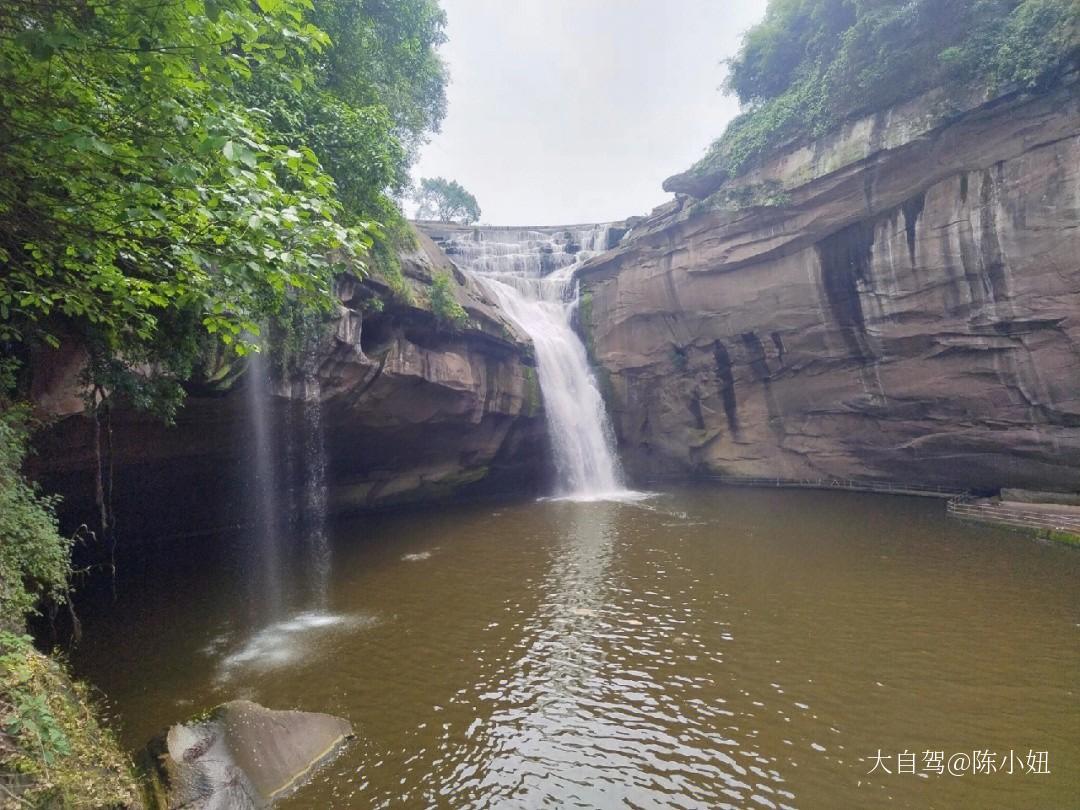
(241, 756)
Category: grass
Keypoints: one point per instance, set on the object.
(443, 303)
(53, 751)
(1068, 538)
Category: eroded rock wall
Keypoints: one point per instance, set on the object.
(910, 311)
(412, 410)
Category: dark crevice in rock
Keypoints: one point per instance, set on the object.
(727, 384)
(778, 342)
(912, 209)
(376, 332)
(615, 234)
(868, 190)
(845, 263)
(756, 354)
(680, 357)
(695, 410)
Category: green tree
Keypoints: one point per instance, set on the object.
(141, 203)
(379, 87)
(384, 52)
(446, 201)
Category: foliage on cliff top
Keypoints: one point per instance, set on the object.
(383, 54)
(53, 752)
(446, 201)
(378, 88)
(811, 64)
(136, 190)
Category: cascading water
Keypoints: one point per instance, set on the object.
(531, 275)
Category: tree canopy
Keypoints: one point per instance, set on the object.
(446, 201)
(182, 169)
(810, 64)
(378, 88)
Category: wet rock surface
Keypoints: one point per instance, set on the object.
(911, 312)
(241, 756)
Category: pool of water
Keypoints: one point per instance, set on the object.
(699, 648)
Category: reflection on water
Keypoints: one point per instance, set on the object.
(545, 723)
(716, 648)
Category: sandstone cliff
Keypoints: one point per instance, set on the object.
(412, 410)
(899, 301)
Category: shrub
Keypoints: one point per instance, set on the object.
(53, 752)
(443, 303)
(34, 557)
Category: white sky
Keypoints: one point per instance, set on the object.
(571, 111)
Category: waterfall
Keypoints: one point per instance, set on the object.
(531, 275)
(288, 500)
(263, 503)
(314, 492)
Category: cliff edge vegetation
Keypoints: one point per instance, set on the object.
(53, 751)
(178, 178)
(810, 65)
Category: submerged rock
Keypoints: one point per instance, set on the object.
(242, 755)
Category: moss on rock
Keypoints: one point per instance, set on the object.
(533, 400)
(1068, 538)
(54, 751)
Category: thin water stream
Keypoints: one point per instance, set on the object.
(264, 540)
(287, 505)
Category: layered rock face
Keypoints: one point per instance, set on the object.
(906, 309)
(411, 409)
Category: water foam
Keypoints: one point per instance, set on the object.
(288, 641)
(531, 275)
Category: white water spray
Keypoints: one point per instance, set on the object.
(531, 275)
